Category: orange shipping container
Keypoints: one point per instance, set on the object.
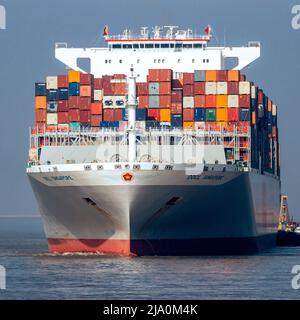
(233, 75)
(165, 115)
(210, 101)
(40, 115)
(41, 102)
(74, 76)
(199, 101)
(222, 101)
(85, 91)
(165, 101)
(165, 75)
(165, 87)
(143, 102)
(120, 89)
(253, 118)
(96, 108)
(153, 75)
(188, 125)
(211, 75)
(222, 114)
(270, 105)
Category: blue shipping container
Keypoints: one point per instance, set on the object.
(199, 114)
(52, 107)
(52, 95)
(176, 120)
(63, 94)
(125, 114)
(140, 114)
(40, 89)
(74, 89)
(244, 114)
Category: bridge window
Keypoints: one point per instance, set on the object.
(187, 45)
(116, 46)
(157, 45)
(120, 61)
(178, 60)
(105, 61)
(172, 45)
(163, 60)
(142, 46)
(135, 45)
(197, 45)
(158, 60)
(165, 45)
(203, 60)
(127, 46)
(154, 60)
(138, 61)
(207, 60)
(149, 45)
(178, 45)
(193, 60)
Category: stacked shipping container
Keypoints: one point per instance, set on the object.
(211, 100)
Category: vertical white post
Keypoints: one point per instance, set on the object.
(131, 105)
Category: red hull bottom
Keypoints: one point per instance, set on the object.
(165, 247)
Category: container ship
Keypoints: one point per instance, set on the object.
(156, 147)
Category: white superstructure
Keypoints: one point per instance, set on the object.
(179, 50)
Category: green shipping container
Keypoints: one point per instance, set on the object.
(210, 114)
(74, 126)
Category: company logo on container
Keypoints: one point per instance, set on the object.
(296, 19)
(2, 18)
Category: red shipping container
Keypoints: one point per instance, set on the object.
(210, 101)
(120, 89)
(165, 87)
(108, 114)
(143, 102)
(98, 84)
(176, 107)
(165, 75)
(74, 115)
(63, 81)
(188, 90)
(260, 97)
(154, 114)
(199, 101)
(95, 120)
(63, 117)
(188, 114)
(165, 101)
(176, 96)
(86, 79)
(242, 77)
(108, 89)
(199, 88)
(142, 89)
(188, 78)
(85, 117)
(233, 114)
(119, 76)
(63, 106)
(176, 84)
(233, 87)
(154, 75)
(96, 108)
(85, 103)
(74, 102)
(40, 115)
(221, 75)
(244, 101)
(118, 114)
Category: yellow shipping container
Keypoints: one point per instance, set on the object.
(233, 75)
(41, 102)
(222, 114)
(74, 76)
(222, 101)
(270, 105)
(165, 115)
(188, 124)
(210, 75)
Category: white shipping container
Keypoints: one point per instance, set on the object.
(210, 87)
(98, 95)
(108, 102)
(119, 101)
(221, 87)
(52, 119)
(140, 125)
(188, 102)
(233, 101)
(244, 87)
(52, 83)
(253, 92)
(274, 109)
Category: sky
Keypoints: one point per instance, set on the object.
(27, 56)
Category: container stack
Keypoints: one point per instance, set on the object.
(216, 100)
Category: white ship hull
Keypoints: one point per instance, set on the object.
(159, 212)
